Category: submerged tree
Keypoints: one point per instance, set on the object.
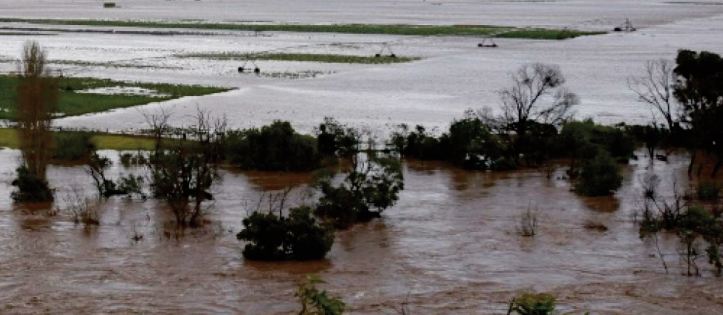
(37, 100)
(370, 187)
(183, 170)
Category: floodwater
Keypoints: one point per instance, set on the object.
(452, 76)
(449, 246)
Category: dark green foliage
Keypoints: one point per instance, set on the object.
(582, 139)
(372, 186)
(599, 176)
(416, 143)
(30, 188)
(469, 143)
(335, 139)
(535, 145)
(72, 146)
(699, 89)
(276, 147)
(708, 191)
(532, 304)
(130, 159)
(316, 302)
(297, 237)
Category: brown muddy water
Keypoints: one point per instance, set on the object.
(450, 246)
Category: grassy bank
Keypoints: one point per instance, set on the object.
(102, 141)
(72, 103)
(389, 29)
(325, 58)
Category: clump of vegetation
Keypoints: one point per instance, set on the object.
(276, 237)
(72, 146)
(528, 223)
(131, 159)
(82, 209)
(692, 225)
(183, 171)
(30, 187)
(276, 147)
(368, 189)
(127, 185)
(599, 176)
(335, 139)
(469, 143)
(37, 98)
(317, 302)
(532, 304)
(708, 191)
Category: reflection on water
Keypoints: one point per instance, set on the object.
(449, 246)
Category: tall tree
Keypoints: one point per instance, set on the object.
(37, 99)
(655, 88)
(699, 89)
(537, 94)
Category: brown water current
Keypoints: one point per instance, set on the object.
(450, 246)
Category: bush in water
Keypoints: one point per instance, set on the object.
(297, 237)
(276, 147)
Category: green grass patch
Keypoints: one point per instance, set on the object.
(72, 103)
(325, 58)
(102, 141)
(389, 29)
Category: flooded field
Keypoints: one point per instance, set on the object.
(449, 247)
(452, 76)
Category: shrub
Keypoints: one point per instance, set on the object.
(708, 191)
(369, 188)
(315, 302)
(471, 144)
(528, 223)
(532, 304)
(276, 147)
(30, 187)
(581, 140)
(72, 146)
(130, 159)
(297, 237)
(599, 176)
(335, 139)
(417, 144)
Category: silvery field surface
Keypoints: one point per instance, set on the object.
(453, 75)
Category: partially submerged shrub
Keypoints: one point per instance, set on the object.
(297, 237)
(317, 302)
(133, 159)
(528, 223)
(708, 191)
(82, 210)
(276, 147)
(532, 304)
(30, 187)
(371, 186)
(72, 146)
(335, 139)
(599, 176)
